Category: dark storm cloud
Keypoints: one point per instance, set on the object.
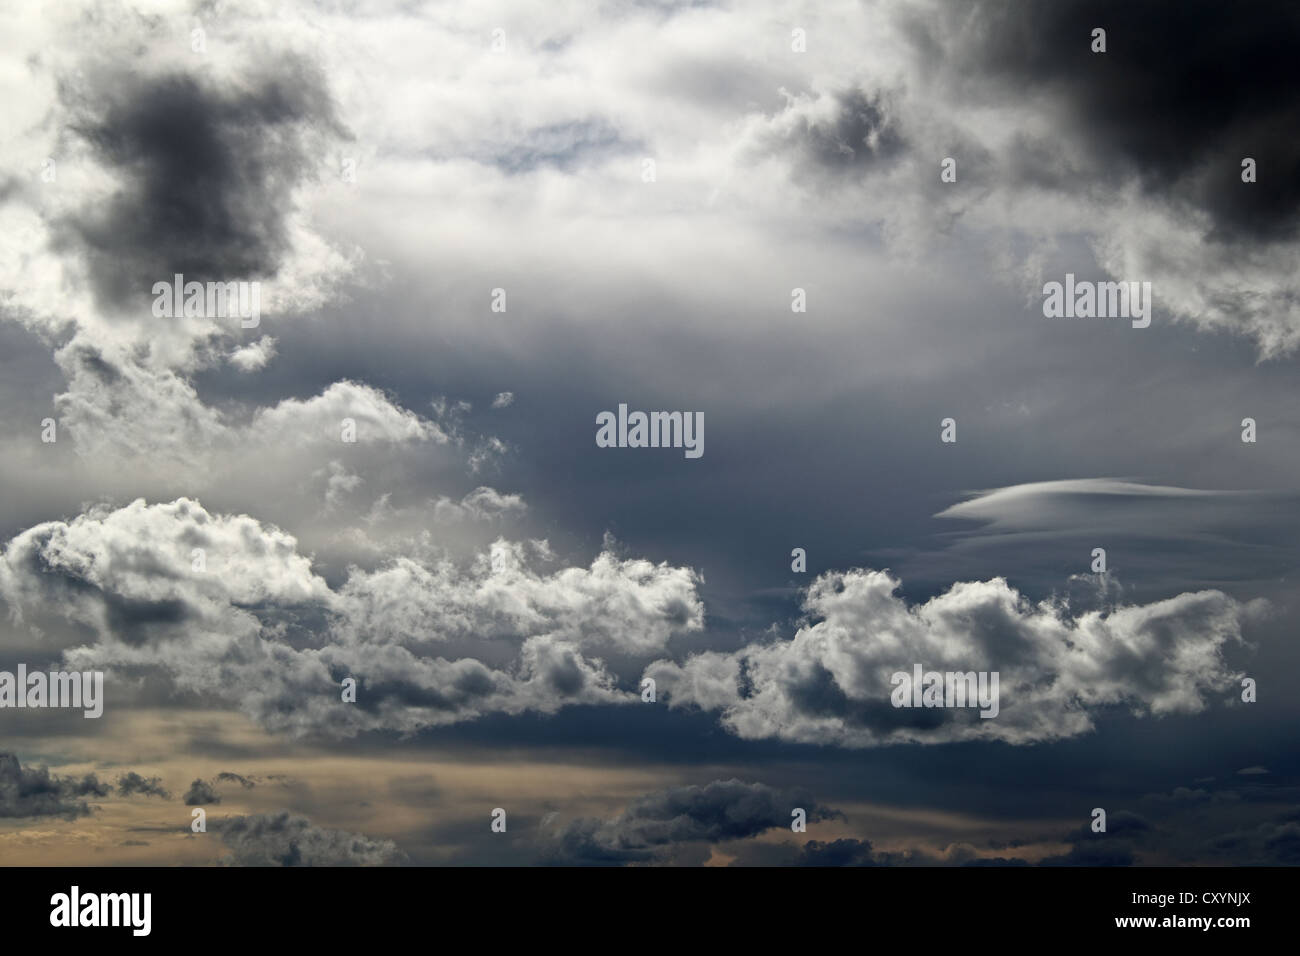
(131, 783)
(1181, 95)
(200, 793)
(207, 174)
(287, 839)
(652, 824)
(35, 792)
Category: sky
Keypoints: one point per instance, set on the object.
(364, 583)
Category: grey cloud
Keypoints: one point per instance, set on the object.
(1126, 833)
(1098, 852)
(227, 777)
(842, 852)
(860, 133)
(850, 131)
(207, 172)
(652, 824)
(288, 839)
(1154, 104)
(1138, 149)
(133, 783)
(35, 792)
(201, 793)
(855, 852)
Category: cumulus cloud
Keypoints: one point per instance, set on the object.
(250, 358)
(252, 624)
(116, 570)
(830, 683)
(376, 419)
(289, 839)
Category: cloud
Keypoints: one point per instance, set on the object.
(122, 572)
(251, 358)
(1145, 107)
(503, 400)
(117, 406)
(1118, 845)
(227, 776)
(1096, 505)
(484, 503)
(830, 684)
(201, 793)
(252, 624)
(653, 824)
(377, 420)
(35, 792)
(842, 852)
(206, 173)
(132, 783)
(848, 132)
(851, 851)
(288, 839)
(1129, 148)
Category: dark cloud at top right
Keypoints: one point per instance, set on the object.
(1182, 94)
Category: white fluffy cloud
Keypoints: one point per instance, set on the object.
(830, 683)
(252, 624)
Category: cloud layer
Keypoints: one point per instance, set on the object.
(830, 683)
(225, 607)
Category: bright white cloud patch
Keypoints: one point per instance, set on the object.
(830, 683)
(252, 624)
